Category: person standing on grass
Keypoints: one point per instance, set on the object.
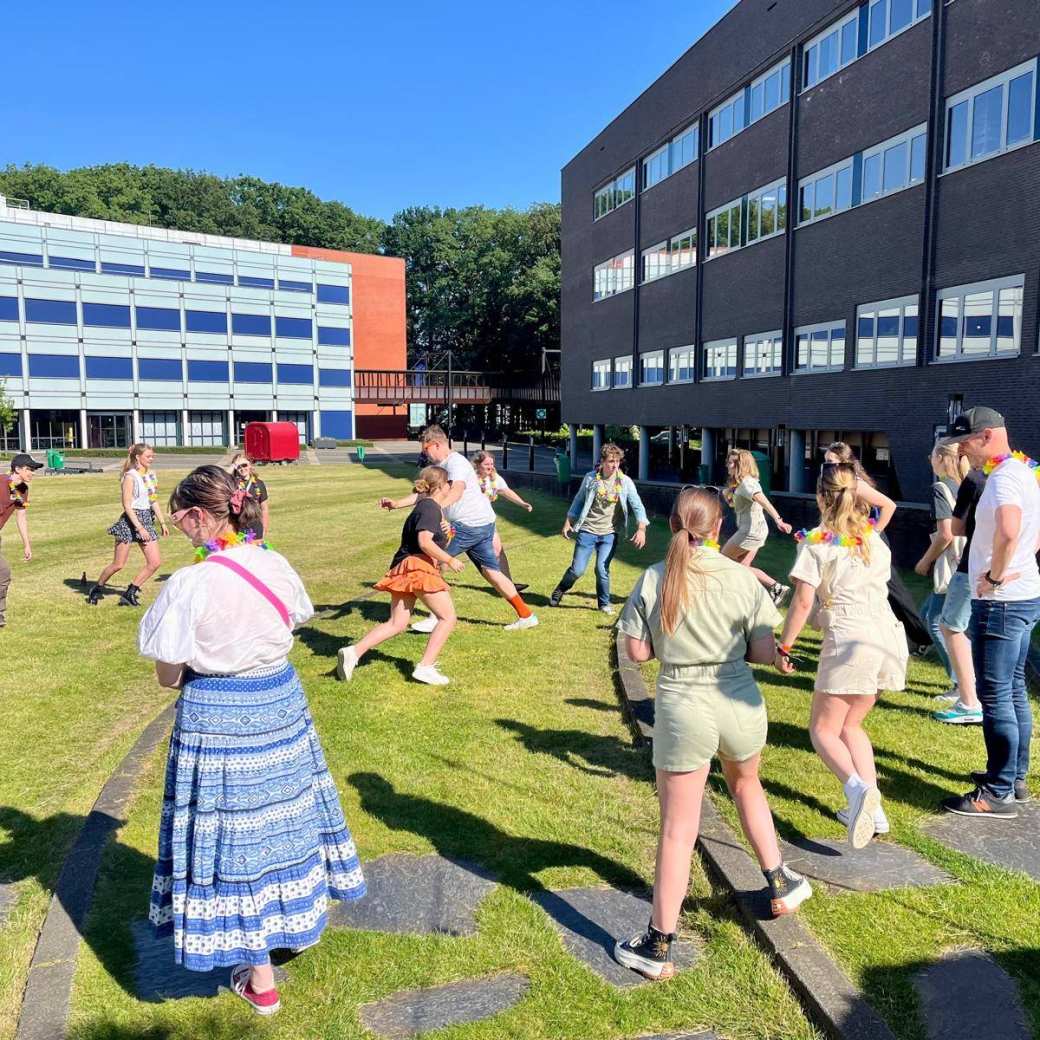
(14, 500)
(247, 481)
(750, 504)
(252, 839)
(1005, 607)
(956, 612)
(599, 511)
(141, 512)
(473, 521)
(492, 485)
(941, 559)
(842, 569)
(413, 575)
(704, 617)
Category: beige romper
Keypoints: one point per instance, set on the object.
(752, 530)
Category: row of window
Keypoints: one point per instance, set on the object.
(747, 106)
(975, 321)
(674, 254)
(619, 191)
(614, 276)
(759, 214)
(671, 157)
(62, 366)
(325, 293)
(168, 319)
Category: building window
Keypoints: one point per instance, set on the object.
(682, 363)
(247, 281)
(299, 375)
(172, 274)
(334, 294)
(680, 151)
(207, 371)
(251, 325)
(826, 192)
(106, 315)
(886, 333)
(285, 285)
(767, 212)
(675, 254)
(160, 429)
(622, 372)
(724, 229)
(334, 377)
(22, 259)
(159, 370)
(165, 319)
(206, 429)
(214, 278)
(109, 368)
(53, 366)
(253, 372)
(50, 312)
(70, 263)
(619, 191)
(8, 308)
(820, 348)
(992, 117)
(292, 328)
(214, 322)
(614, 276)
(134, 270)
(832, 50)
(11, 365)
(886, 18)
(762, 96)
(601, 375)
(651, 368)
(763, 354)
(894, 164)
(720, 359)
(330, 336)
(982, 320)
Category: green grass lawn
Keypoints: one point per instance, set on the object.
(523, 766)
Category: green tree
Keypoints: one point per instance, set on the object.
(8, 414)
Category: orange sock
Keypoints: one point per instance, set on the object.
(521, 608)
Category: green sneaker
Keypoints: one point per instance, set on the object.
(959, 715)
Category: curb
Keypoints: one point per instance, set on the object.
(826, 992)
(48, 992)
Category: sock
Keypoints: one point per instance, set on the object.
(503, 564)
(521, 608)
(853, 784)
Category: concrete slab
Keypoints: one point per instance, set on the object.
(418, 1011)
(419, 895)
(879, 866)
(591, 920)
(8, 897)
(1014, 844)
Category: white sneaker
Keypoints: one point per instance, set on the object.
(863, 804)
(428, 673)
(523, 622)
(346, 662)
(608, 610)
(951, 696)
(881, 825)
(426, 625)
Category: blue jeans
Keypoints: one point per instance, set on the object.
(1000, 643)
(931, 612)
(585, 545)
(478, 543)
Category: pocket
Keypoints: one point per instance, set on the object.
(993, 620)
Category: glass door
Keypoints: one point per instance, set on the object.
(109, 430)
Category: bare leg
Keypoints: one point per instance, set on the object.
(119, 558)
(400, 615)
(497, 543)
(500, 583)
(855, 738)
(680, 795)
(958, 647)
(745, 557)
(261, 977)
(152, 559)
(829, 713)
(755, 817)
(441, 607)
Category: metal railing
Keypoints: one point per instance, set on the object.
(401, 386)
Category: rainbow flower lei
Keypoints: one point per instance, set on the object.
(608, 493)
(15, 490)
(991, 464)
(488, 489)
(151, 483)
(229, 540)
(706, 543)
(821, 536)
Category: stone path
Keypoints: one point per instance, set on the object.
(8, 897)
(418, 1011)
(591, 920)
(879, 866)
(418, 895)
(966, 995)
(1014, 844)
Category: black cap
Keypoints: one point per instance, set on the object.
(972, 422)
(21, 461)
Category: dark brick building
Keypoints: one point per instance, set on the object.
(823, 221)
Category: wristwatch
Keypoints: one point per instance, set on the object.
(993, 581)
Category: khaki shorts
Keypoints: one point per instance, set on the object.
(862, 653)
(750, 534)
(706, 710)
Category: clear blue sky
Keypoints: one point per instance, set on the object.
(380, 105)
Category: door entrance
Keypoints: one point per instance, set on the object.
(109, 430)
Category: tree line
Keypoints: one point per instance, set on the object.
(482, 282)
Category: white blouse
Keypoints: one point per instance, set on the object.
(214, 621)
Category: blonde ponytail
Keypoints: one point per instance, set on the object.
(695, 517)
(841, 510)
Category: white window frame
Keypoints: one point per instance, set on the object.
(604, 368)
(675, 250)
(809, 330)
(837, 27)
(674, 355)
(623, 360)
(782, 208)
(873, 310)
(828, 171)
(907, 138)
(728, 345)
(992, 286)
(643, 358)
(709, 217)
(889, 35)
(612, 186)
(668, 151)
(671, 250)
(744, 97)
(659, 153)
(610, 284)
(1003, 79)
(753, 371)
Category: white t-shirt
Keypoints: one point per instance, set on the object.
(1012, 483)
(212, 620)
(473, 509)
(140, 495)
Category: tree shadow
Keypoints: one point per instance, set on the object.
(587, 752)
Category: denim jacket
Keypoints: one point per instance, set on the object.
(629, 500)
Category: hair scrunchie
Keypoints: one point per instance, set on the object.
(236, 501)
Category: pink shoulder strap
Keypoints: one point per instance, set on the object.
(257, 584)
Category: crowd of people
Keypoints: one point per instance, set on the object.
(252, 839)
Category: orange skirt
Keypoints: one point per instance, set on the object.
(413, 576)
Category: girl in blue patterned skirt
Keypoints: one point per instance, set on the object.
(252, 840)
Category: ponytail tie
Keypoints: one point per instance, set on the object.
(237, 499)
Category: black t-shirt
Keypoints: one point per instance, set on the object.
(256, 488)
(968, 496)
(425, 516)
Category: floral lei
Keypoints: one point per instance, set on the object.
(15, 489)
(608, 493)
(1020, 456)
(706, 543)
(228, 540)
(820, 535)
(247, 485)
(487, 487)
(151, 484)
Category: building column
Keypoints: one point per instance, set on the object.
(27, 428)
(232, 433)
(274, 415)
(316, 424)
(708, 450)
(83, 428)
(573, 447)
(796, 471)
(597, 443)
(185, 428)
(135, 421)
(644, 452)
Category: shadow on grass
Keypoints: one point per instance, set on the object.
(587, 752)
(587, 702)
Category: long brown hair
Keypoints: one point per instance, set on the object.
(746, 465)
(841, 511)
(134, 452)
(216, 491)
(695, 516)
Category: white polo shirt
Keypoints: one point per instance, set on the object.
(473, 509)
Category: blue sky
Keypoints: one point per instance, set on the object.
(381, 105)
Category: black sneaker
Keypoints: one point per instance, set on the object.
(981, 803)
(554, 599)
(649, 953)
(1021, 791)
(95, 594)
(787, 890)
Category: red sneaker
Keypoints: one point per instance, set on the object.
(266, 1003)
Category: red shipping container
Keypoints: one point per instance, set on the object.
(272, 441)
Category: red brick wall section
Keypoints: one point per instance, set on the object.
(380, 339)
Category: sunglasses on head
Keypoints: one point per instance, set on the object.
(713, 488)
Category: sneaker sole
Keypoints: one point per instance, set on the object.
(341, 671)
(877, 830)
(861, 828)
(428, 682)
(982, 815)
(789, 904)
(959, 720)
(648, 969)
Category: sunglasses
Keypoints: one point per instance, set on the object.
(719, 492)
(176, 518)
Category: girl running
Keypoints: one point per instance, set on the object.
(705, 618)
(745, 494)
(842, 568)
(247, 481)
(491, 486)
(414, 574)
(141, 512)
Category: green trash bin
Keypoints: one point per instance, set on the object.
(55, 459)
(360, 451)
(765, 471)
(704, 473)
(563, 467)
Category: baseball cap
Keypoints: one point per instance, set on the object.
(972, 422)
(21, 461)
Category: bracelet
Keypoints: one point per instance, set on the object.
(783, 651)
(996, 583)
